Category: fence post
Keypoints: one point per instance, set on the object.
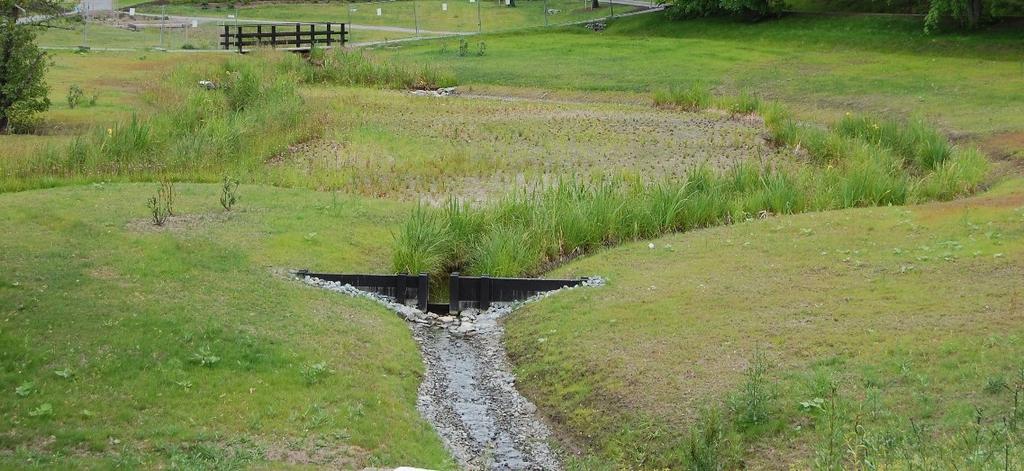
(485, 292)
(422, 290)
(453, 293)
(479, 19)
(298, 35)
(227, 37)
(328, 34)
(238, 37)
(259, 35)
(273, 36)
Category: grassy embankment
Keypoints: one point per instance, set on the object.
(912, 314)
(125, 344)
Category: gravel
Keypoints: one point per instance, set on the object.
(468, 392)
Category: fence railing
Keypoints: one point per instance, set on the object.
(296, 36)
(463, 291)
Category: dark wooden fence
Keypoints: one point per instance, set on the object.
(463, 291)
(294, 36)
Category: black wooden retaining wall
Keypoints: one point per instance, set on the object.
(464, 291)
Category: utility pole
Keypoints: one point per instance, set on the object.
(163, 23)
(415, 18)
(545, 12)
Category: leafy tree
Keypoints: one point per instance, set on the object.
(969, 14)
(749, 9)
(23, 92)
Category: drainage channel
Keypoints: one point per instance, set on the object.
(468, 391)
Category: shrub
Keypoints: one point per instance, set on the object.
(75, 96)
(161, 206)
(228, 193)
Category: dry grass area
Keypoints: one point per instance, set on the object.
(383, 143)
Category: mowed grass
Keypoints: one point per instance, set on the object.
(821, 66)
(189, 346)
(912, 313)
(102, 34)
(429, 15)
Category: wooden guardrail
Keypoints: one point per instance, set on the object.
(293, 36)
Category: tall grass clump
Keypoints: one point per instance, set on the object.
(696, 97)
(351, 68)
(913, 140)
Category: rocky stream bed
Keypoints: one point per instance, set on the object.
(468, 392)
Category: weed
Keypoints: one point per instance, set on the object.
(24, 389)
(228, 193)
(709, 447)
(752, 406)
(463, 47)
(66, 373)
(481, 48)
(313, 374)
(44, 410)
(354, 68)
(205, 357)
(161, 206)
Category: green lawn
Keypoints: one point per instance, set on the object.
(102, 35)
(915, 313)
(824, 66)
(188, 345)
(430, 15)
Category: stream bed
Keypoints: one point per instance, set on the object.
(468, 391)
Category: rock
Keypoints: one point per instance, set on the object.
(466, 328)
(207, 85)
(446, 319)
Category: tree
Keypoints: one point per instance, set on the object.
(594, 5)
(969, 14)
(23, 91)
(749, 9)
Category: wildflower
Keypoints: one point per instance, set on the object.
(110, 132)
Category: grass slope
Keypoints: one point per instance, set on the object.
(824, 66)
(914, 313)
(126, 344)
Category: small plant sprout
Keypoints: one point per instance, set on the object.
(463, 48)
(66, 373)
(481, 48)
(44, 410)
(315, 373)
(161, 206)
(228, 193)
(24, 389)
(205, 357)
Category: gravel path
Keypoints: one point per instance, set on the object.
(468, 392)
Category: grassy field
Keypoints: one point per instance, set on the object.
(187, 346)
(429, 15)
(913, 313)
(771, 342)
(107, 35)
(477, 148)
(822, 66)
